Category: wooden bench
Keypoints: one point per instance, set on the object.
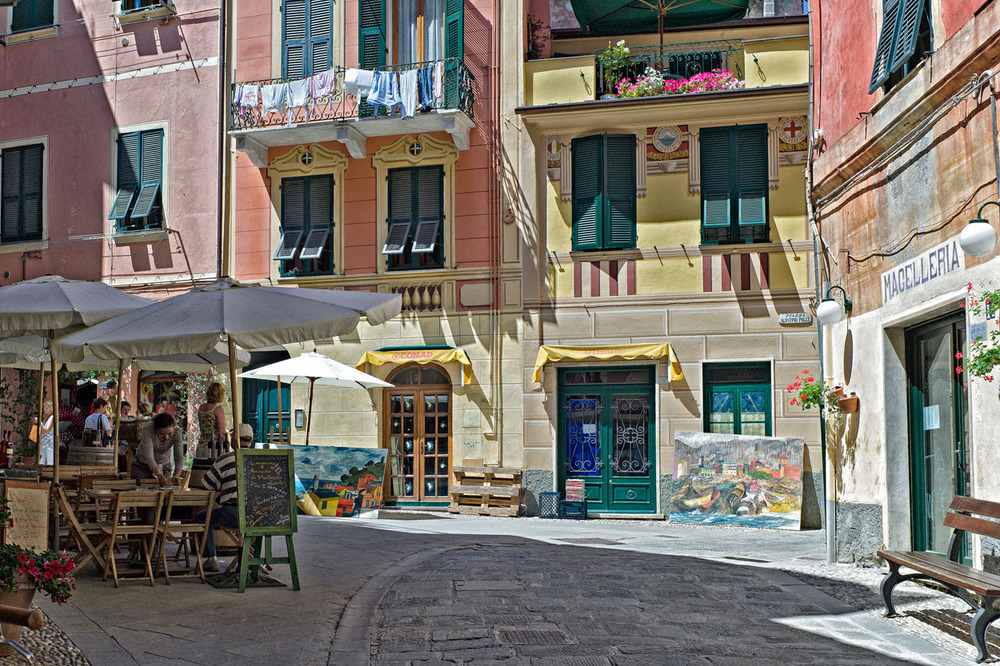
(963, 581)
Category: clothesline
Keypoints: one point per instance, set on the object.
(413, 90)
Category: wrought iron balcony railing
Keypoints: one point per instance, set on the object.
(456, 94)
(674, 61)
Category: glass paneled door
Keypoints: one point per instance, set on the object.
(939, 459)
(419, 435)
(606, 437)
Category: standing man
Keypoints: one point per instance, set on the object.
(222, 479)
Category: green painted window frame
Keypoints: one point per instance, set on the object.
(736, 389)
(22, 191)
(421, 208)
(735, 201)
(296, 266)
(140, 181)
(604, 192)
(32, 15)
(904, 22)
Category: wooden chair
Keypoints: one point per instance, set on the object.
(189, 536)
(149, 483)
(84, 506)
(102, 506)
(81, 533)
(134, 519)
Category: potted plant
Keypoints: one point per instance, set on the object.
(613, 61)
(849, 404)
(538, 37)
(807, 392)
(23, 571)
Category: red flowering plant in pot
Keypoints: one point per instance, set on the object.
(807, 392)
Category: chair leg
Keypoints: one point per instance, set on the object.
(145, 554)
(163, 559)
(980, 622)
(890, 581)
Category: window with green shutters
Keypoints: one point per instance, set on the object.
(734, 185)
(306, 245)
(415, 233)
(738, 399)
(903, 41)
(32, 14)
(307, 37)
(604, 192)
(138, 202)
(21, 193)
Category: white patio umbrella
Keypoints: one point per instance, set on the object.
(251, 316)
(48, 305)
(315, 368)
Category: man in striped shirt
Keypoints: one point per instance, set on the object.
(222, 479)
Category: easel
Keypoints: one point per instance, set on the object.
(251, 561)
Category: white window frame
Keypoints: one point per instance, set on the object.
(31, 35)
(32, 246)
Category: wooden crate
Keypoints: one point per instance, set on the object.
(485, 491)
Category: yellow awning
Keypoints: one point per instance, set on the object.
(547, 353)
(422, 356)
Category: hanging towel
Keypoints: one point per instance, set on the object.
(438, 82)
(385, 91)
(408, 92)
(358, 82)
(323, 84)
(425, 88)
(250, 96)
(298, 96)
(273, 97)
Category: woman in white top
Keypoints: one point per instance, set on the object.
(46, 445)
(98, 421)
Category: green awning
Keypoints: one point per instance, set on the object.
(620, 17)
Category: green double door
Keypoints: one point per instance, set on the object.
(607, 437)
(939, 426)
(260, 408)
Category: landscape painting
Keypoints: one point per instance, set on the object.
(338, 480)
(737, 480)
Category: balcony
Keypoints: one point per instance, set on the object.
(348, 118)
(675, 62)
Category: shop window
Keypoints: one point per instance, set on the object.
(903, 41)
(604, 192)
(307, 37)
(138, 202)
(416, 219)
(32, 15)
(738, 399)
(306, 245)
(21, 176)
(734, 184)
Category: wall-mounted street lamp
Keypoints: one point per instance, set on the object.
(978, 238)
(830, 311)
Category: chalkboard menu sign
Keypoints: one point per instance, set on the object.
(266, 484)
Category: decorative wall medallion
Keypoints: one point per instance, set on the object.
(667, 139)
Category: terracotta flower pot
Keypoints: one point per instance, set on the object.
(850, 404)
(18, 599)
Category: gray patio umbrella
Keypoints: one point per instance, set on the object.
(48, 305)
(251, 316)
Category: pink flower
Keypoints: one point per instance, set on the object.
(958, 370)
(958, 355)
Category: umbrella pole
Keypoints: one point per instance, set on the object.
(312, 384)
(279, 411)
(54, 376)
(118, 407)
(41, 411)
(232, 386)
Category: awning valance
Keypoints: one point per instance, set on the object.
(422, 355)
(552, 353)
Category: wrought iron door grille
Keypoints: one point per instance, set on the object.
(630, 442)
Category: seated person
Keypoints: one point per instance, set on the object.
(97, 425)
(222, 479)
(160, 450)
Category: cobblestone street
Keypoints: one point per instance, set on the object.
(430, 589)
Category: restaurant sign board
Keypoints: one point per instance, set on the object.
(925, 267)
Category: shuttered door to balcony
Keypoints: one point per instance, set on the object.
(320, 35)
(588, 163)
(619, 191)
(294, 27)
(454, 50)
(371, 43)
(752, 182)
(21, 185)
(307, 27)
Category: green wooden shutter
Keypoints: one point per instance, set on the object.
(454, 50)
(320, 36)
(371, 34)
(31, 192)
(886, 40)
(10, 191)
(294, 212)
(910, 13)
(293, 34)
(32, 14)
(588, 202)
(128, 160)
(430, 212)
(44, 13)
(150, 173)
(400, 218)
(752, 182)
(716, 184)
(619, 191)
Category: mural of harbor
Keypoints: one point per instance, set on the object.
(338, 480)
(737, 480)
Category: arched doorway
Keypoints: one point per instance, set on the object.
(418, 434)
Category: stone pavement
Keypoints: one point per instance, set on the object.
(426, 589)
